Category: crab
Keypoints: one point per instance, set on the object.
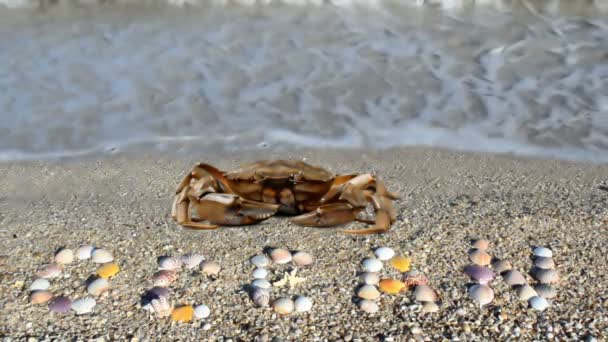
(313, 196)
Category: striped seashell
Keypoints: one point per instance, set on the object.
(482, 294)
(391, 286)
(40, 296)
(424, 293)
(303, 304)
(60, 304)
(64, 256)
(545, 276)
(514, 277)
(84, 252)
(260, 260)
(414, 278)
(164, 278)
(40, 284)
(261, 283)
(544, 262)
(260, 296)
(102, 256)
(83, 305)
(481, 274)
(50, 271)
(368, 292)
(162, 307)
(480, 257)
(191, 261)
(169, 263)
(429, 307)
(98, 286)
(525, 292)
(402, 263)
(502, 266)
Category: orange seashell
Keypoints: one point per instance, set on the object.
(182, 313)
(41, 296)
(108, 270)
(401, 263)
(480, 257)
(391, 286)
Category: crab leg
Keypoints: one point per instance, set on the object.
(228, 209)
(328, 215)
(181, 212)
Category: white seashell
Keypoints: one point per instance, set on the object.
(302, 259)
(369, 278)
(84, 252)
(40, 284)
(545, 276)
(162, 307)
(283, 306)
(368, 306)
(514, 277)
(525, 292)
(481, 244)
(102, 256)
(543, 252)
(280, 256)
(260, 296)
(50, 271)
(191, 261)
(202, 311)
(368, 292)
(372, 265)
(259, 273)
(539, 303)
(164, 278)
(64, 256)
(430, 307)
(260, 260)
(261, 283)
(501, 266)
(545, 290)
(83, 305)
(169, 263)
(544, 262)
(303, 304)
(384, 253)
(482, 294)
(98, 286)
(424, 293)
(210, 267)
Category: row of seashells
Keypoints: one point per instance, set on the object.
(157, 300)
(39, 288)
(260, 287)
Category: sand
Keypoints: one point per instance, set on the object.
(122, 203)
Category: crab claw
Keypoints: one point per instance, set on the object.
(328, 215)
(228, 209)
(382, 224)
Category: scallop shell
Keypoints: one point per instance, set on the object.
(107, 270)
(50, 271)
(480, 257)
(191, 261)
(60, 304)
(40, 284)
(401, 263)
(501, 266)
(98, 286)
(83, 305)
(369, 278)
(260, 260)
(545, 276)
(371, 265)
(84, 252)
(260, 296)
(303, 304)
(164, 278)
(481, 244)
(545, 291)
(384, 253)
(430, 307)
(64, 256)
(259, 273)
(544, 262)
(482, 294)
(182, 313)
(368, 292)
(414, 278)
(391, 286)
(543, 252)
(169, 263)
(539, 303)
(368, 306)
(424, 293)
(481, 274)
(280, 256)
(202, 311)
(525, 292)
(40, 296)
(261, 283)
(283, 306)
(514, 277)
(210, 267)
(102, 256)
(302, 259)
(162, 307)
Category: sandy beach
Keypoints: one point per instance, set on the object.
(123, 202)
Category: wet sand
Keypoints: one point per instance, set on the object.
(123, 203)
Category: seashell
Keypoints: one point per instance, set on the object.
(260, 260)
(544, 262)
(50, 271)
(482, 294)
(525, 292)
(210, 267)
(259, 273)
(545, 291)
(162, 307)
(303, 304)
(260, 296)
(169, 263)
(481, 274)
(40, 284)
(283, 305)
(98, 286)
(164, 278)
(280, 256)
(302, 259)
(40, 296)
(102, 256)
(414, 278)
(543, 252)
(368, 292)
(64, 256)
(182, 313)
(368, 306)
(372, 265)
(424, 293)
(84, 252)
(83, 305)
(107, 270)
(369, 278)
(481, 244)
(430, 307)
(157, 292)
(545, 276)
(480, 257)
(261, 283)
(391, 286)
(539, 303)
(191, 261)
(202, 311)
(401, 263)
(514, 277)
(501, 266)
(384, 253)
(60, 304)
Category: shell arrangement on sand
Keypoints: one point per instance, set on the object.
(157, 299)
(260, 288)
(480, 272)
(96, 286)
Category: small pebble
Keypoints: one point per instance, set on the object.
(206, 326)
(539, 303)
(543, 252)
(260, 261)
(371, 265)
(384, 253)
(303, 304)
(259, 273)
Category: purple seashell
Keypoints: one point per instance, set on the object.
(60, 305)
(481, 274)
